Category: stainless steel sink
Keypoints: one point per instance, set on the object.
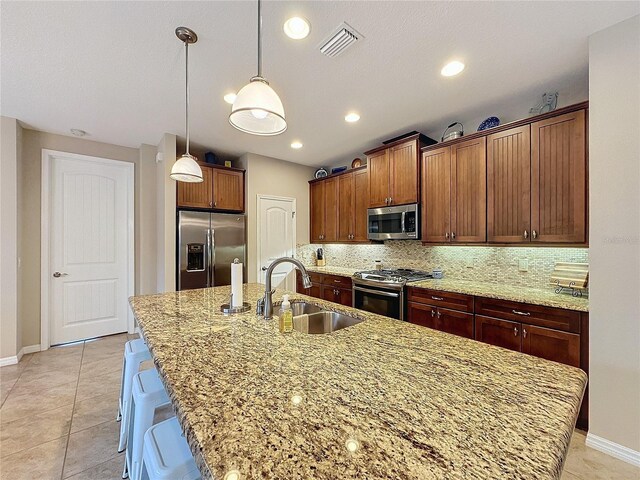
(301, 308)
(323, 322)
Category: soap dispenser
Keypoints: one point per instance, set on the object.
(286, 315)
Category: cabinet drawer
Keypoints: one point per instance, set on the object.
(436, 298)
(337, 281)
(315, 277)
(556, 318)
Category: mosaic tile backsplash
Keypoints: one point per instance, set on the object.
(490, 264)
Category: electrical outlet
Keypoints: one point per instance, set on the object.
(523, 264)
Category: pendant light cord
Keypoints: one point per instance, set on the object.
(186, 51)
(259, 38)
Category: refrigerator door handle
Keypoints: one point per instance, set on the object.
(208, 264)
(212, 243)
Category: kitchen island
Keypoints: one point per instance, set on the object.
(380, 399)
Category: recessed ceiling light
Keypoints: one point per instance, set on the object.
(296, 145)
(452, 68)
(77, 132)
(352, 117)
(296, 28)
(230, 98)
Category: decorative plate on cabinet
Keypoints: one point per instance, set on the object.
(357, 162)
(489, 123)
(321, 173)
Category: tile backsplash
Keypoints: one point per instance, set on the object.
(491, 264)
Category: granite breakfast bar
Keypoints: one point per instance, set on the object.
(380, 399)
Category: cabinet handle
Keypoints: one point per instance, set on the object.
(211, 204)
(526, 234)
(437, 298)
(433, 313)
(390, 200)
(453, 235)
(534, 234)
(515, 331)
(215, 204)
(518, 312)
(524, 333)
(438, 314)
(336, 281)
(446, 235)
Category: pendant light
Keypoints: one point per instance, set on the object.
(257, 109)
(186, 168)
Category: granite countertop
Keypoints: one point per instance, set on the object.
(535, 296)
(421, 404)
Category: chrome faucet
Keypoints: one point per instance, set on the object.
(265, 305)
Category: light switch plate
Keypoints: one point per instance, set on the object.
(523, 264)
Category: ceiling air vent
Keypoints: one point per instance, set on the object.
(340, 40)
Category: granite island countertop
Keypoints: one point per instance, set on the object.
(419, 404)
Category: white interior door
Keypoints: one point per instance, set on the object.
(276, 238)
(90, 254)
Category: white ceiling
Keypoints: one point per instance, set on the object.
(116, 69)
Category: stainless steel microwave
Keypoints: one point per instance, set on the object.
(394, 223)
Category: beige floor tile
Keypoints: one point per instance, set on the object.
(93, 386)
(115, 340)
(111, 469)
(43, 462)
(589, 464)
(101, 367)
(31, 431)
(10, 373)
(569, 476)
(44, 380)
(29, 401)
(59, 351)
(91, 447)
(58, 363)
(5, 388)
(94, 411)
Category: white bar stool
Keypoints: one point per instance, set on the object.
(166, 454)
(135, 352)
(147, 396)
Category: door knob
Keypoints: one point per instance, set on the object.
(58, 274)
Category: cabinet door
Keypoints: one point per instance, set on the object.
(361, 203)
(553, 345)
(501, 333)
(316, 198)
(345, 207)
(336, 295)
(404, 173)
(436, 195)
(196, 195)
(345, 297)
(421, 314)
(558, 176)
(457, 323)
(378, 165)
(228, 190)
(469, 191)
(509, 186)
(330, 233)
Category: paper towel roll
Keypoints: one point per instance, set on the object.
(236, 284)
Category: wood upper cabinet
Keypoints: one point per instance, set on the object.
(509, 186)
(316, 197)
(330, 233)
(562, 347)
(361, 204)
(558, 179)
(221, 190)
(228, 190)
(436, 195)
(378, 166)
(502, 333)
(346, 203)
(197, 195)
(403, 174)
(469, 191)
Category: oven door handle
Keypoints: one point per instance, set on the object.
(377, 292)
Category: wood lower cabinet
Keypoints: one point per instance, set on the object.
(457, 323)
(562, 347)
(334, 288)
(509, 186)
(342, 296)
(339, 207)
(558, 179)
(221, 190)
(502, 333)
(425, 308)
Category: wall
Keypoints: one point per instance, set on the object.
(491, 264)
(166, 216)
(614, 171)
(29, 210)
(146, 266)
(270, 176)
(10, 341)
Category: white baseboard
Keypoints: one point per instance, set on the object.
(618, 451)
(16, 358)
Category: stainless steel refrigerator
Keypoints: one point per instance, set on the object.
(207, 245)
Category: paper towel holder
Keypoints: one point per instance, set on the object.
(228, 309)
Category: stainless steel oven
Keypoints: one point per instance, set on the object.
(381, 298)
(393, 223)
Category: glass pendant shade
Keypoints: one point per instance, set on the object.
(186, 169)
(258, 110)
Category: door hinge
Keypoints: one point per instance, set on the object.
(293, 214)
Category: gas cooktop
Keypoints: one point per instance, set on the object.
(396, 276)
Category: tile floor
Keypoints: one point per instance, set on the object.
(57, 419)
